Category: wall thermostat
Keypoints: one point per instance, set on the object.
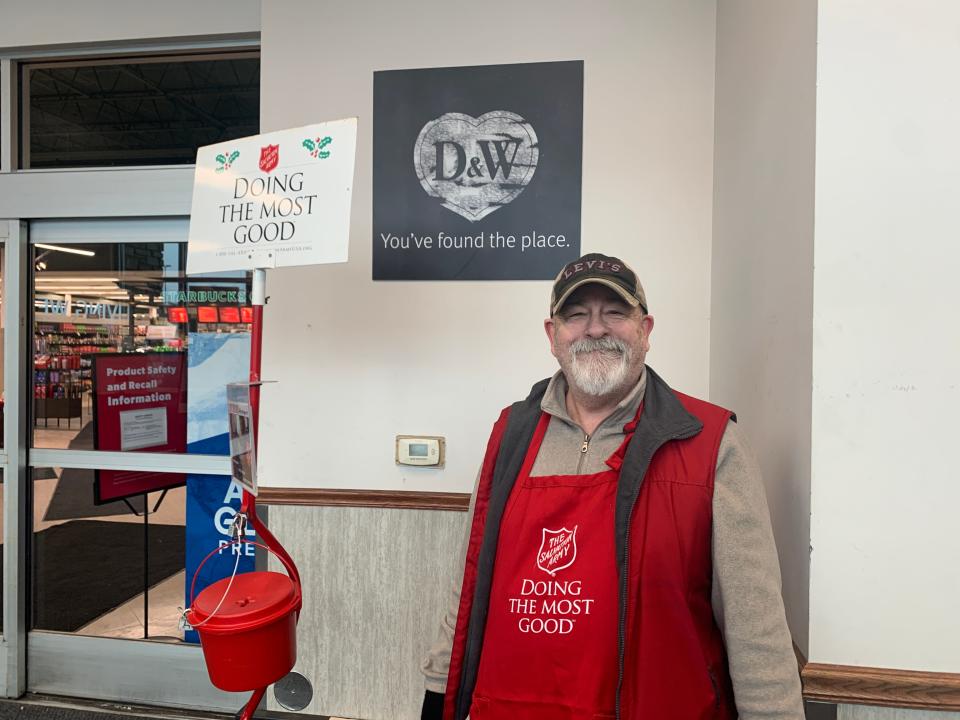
(422, 450)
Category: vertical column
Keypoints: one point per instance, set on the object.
(16, 527)
(9, 128)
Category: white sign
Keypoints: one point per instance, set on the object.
(243, 456)
(273, 200)
(143, 428)
(161, 332)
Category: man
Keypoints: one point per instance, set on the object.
(620, 561)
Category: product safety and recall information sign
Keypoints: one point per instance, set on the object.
(139, 404)
(273, 200)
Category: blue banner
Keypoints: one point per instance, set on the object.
(214, 359)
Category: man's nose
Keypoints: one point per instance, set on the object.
(595, 326)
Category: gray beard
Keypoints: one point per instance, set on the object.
(599, 367)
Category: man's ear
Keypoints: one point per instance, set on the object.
(647, 324)
(550, 329)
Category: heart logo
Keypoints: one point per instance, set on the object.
(476, 165)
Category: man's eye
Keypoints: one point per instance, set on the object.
(576, 316)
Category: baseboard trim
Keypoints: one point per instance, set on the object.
(846, 684)
(315, 497)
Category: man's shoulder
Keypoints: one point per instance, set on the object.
(703, 410)
(692, 401)
(528, 404)
(537, 391)
(657, 384)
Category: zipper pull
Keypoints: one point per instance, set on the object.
(586, 445)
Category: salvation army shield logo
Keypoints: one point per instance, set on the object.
(558, 550)
(476, 165)
(269, 157)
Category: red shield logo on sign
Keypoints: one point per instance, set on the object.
(269, 157)
(558, 550)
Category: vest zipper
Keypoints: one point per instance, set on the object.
(583, 452)
(621, 624)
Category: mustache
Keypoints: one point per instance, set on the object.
(604, 345)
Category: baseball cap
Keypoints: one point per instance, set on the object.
(596, 268)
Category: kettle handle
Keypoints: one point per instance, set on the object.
(294, 576)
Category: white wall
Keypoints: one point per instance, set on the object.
(886, 552)
(863, 712)
(762, 280)
(52, 22)
(351, 378)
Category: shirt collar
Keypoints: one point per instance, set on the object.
(554, 400)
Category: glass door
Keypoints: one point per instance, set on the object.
(127, 362)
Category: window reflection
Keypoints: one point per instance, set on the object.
(109, 320)
(137, 111)
(101, 569)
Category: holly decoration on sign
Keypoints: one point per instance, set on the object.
(316, 147)
(225, 161)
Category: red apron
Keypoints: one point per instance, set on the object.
(550, 643)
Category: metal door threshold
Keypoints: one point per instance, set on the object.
(34, 706)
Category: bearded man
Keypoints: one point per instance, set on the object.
(619, 560)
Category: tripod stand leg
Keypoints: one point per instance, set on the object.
(251, 707)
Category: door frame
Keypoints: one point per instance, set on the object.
(149, 672)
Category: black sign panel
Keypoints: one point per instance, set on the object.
(477, 171)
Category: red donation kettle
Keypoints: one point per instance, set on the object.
(247, 625)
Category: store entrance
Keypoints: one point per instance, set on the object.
(124, 402)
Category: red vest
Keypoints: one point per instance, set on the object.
(670, 651)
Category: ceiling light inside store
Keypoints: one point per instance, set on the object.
(97, 292)
(86, 296)
(75, 279)
(62, 287)
(59, 248)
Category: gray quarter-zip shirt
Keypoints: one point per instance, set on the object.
(746, 593)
